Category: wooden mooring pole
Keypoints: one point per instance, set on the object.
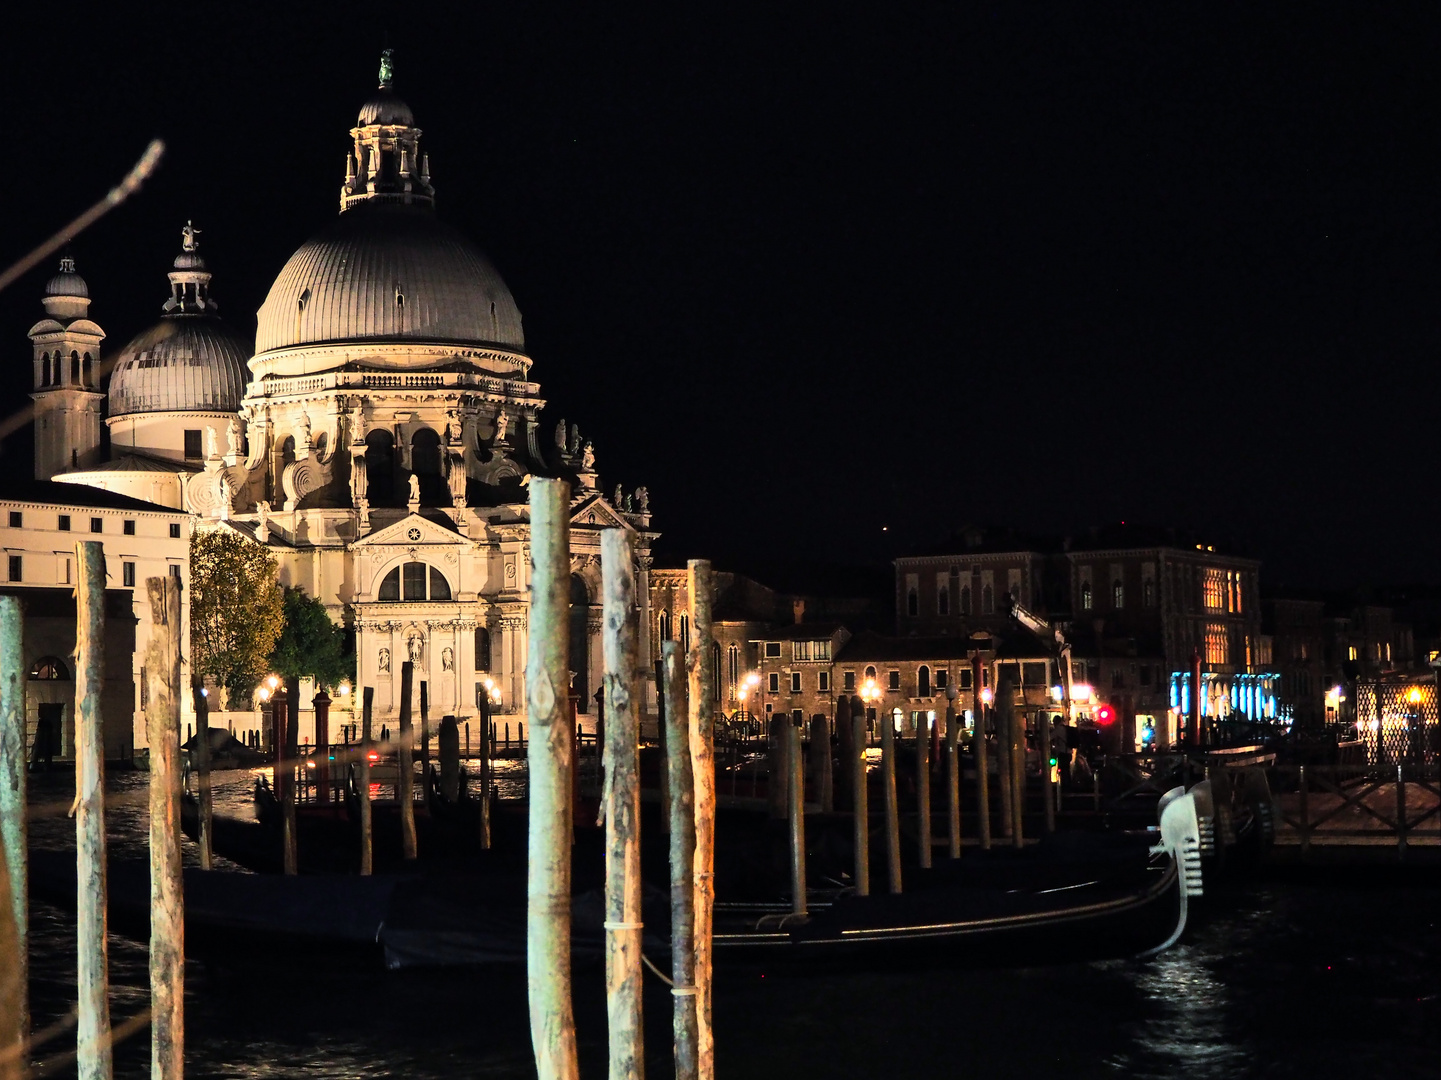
(424, 734)
(14, 849)
(486, 743)
(94, 1060)
(205, 799)
(621, 763)
(953, 775)
(821, 767)
(860, 799)
(367, 843)
(923, 789)
(405, 781)
(549, 755)
(167, 903)
(685, 1021)
(701, 675)
(292, 779)
(978, 753)
(796, 814)
(888, 793)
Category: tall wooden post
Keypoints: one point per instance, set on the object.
(1014, 753)
(292, 766)
(321, 704)
(821, 763)
(486, 744)
(662, 737)
(888, 792)
(978, 753)
(621, 763)
(94, 1060)
(167, 903)
(778, 768)
(923, 790)
(367, 843)
(447, 754)
(205, 800)
(549, 755)
(953, 775)
(1048, 789)
(1193, 725)
(845, 752)
(796, 816)
(14, 849)
(685, 1020)
(424, 733)
(405, 785)
(702, 736)
(1001, 717)
(860, 801)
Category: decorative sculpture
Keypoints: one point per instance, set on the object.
(618, 498)
(413, 646)
(188, 241)
(560, 436)
(502, 424)
(642, 500)
(233, 436)
(414, 488)
(447, 659)
(587, 456)
(383, 661)
(212, 443)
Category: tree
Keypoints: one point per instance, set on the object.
(236, 609)
(311, 646)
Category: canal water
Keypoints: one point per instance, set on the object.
(1272, 980)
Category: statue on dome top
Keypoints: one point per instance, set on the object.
(387, 68)
(188, 241)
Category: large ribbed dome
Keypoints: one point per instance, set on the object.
(388, 272)
(185, 363)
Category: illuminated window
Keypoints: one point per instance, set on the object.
(1218, 645)
(414, 581)
(1351, 652)
(733, 664)
(1213, 590)
(1118, 595)
(1085, 596)
(49, 669)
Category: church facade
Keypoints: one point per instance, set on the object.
(377, 438)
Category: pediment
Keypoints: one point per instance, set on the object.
(596, 513)
(412, 531)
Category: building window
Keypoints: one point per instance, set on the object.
(893, 680)
(1118, 679)
(685, 634)
(795, 682)
(870, 672)
(1085, 596)
(65, 570)
(192, 443)
(988, 600)
(733, 665)
(97, 525)
(127, 574)
(175, 530)
(17, 520)
(175, 571)
(1351, 652)
(800, 650)
(15, 568)
(964, 678)
(128, 527)
(1213, 589)
(848, 680)
(923, 681)
(943, 601)
(482, 649)
(663, 626)
(1218, 645)
(942, 678)
(965, 599)
(50, 669)
(1118, 595)
(414, 581)
(773, 650)
(823, 681)
(913, 602)
(64, 523)
(773, 682)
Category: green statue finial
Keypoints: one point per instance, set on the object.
(387, 69)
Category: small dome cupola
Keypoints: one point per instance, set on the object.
(385, 164)
(190, 280)
(66, 294)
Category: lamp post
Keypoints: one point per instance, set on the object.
(871, 692)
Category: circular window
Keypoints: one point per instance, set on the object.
(414, 534)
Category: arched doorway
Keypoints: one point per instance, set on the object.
(580, 641)
(50, 688)
(380, 468)
(425, 463)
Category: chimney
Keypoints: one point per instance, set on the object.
(798, 608)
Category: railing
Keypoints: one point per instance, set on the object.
(1359, 805)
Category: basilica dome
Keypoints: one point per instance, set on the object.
(387, 271)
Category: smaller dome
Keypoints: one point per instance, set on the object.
(385, 107)
(186, 363)
(67, 282)
(189, 260)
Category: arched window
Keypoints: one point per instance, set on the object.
(715, 672)
(685, 634)
(74, 368)
(50, 669)
(663, 626)
(87, 378)
(1118, 594)
(380, 467)
(923, 681)
(425, 464)
(482, 649)
(414, 581)
(45, 370)
(1085, 596)
(733, 666)
(871, 671)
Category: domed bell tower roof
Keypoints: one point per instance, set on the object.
(386, 164)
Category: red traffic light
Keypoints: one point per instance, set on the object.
(1105, 714)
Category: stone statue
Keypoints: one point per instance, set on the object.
(305, 428)
(502, 424)
(574, 439)
(387, 69)
(383, 663)
(357, 425)
(618, 497)
(188, 236)
(642, 500)
(587, 456)
(414, 488)
(222, 494)
(233, 436)
(447, 659)
(627, 504)
(212, 443)
(560, 436)
(413, 646)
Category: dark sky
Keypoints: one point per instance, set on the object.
(810, 272)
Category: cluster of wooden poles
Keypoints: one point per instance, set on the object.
(690, 779)
(95, 1036)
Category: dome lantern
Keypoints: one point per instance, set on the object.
(386, 164)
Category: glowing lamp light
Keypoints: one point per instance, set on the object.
(753, 680)
(273, 681)
(344, 689)
(373, 756)
(1414, 695)
(1081, 692)
(870, 691)
(1057, 693)
(310, 764)
(1105, 714)
(988, 695)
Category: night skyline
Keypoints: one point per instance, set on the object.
(806, 281)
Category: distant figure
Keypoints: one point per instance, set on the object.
(384, 733)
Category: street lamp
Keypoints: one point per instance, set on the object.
(870, 694)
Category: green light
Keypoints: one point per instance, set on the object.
(1055, 762)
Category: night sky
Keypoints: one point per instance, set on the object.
(810, 273)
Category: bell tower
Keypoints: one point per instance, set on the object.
(67, 394)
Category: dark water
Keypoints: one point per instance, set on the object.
(1273, 980)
